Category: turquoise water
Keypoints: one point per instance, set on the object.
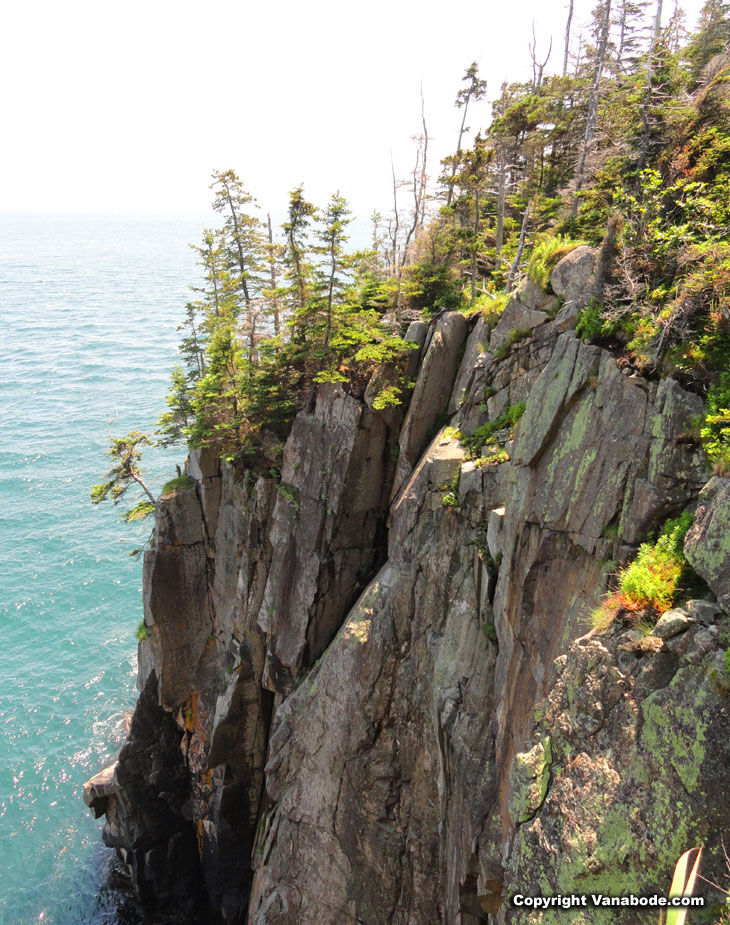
(88, 311)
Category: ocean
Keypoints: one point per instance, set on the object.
(88, 312)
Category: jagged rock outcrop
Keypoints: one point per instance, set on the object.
(708, 542)
(351, 657)
(637, 771)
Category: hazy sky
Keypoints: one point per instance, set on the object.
(129, 106)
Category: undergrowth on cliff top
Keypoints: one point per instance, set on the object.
(546, 255)
(630, 147)
(627, 149)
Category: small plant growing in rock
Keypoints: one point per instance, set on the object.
(653, 582)
(482, 435)
(290, 493)
(182, 481)
(715, 429)
(652, 579)
(142, 632)
(489, 631)
(451, 492)
(514, 336)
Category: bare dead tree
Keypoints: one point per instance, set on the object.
(423, 185)
(592, 116)
(520, 247)
(567, 38)
(400, 249)
(394, 225)
(538, 68)
(646, 105)
(272, 275)
(501, 201)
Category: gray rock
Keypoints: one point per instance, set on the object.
(567, 318)
(572, 277)
(531, 295)
(704, 612)
(707, 545)
(431, 394)
(476, 345)
(515, 317)
(99, 788)
(672, 623)
(494, 530)
(339, 691)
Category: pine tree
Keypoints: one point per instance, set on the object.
(712, 36)
(244, 248)
(298, 268)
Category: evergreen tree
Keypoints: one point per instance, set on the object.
(713, 34)
(124, 474)
(244, 247)
(475, 90)
(298, 268)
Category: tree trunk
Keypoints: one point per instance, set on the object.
(272, 270)
(333, 270)
(567, 39)
(592, 106)
(140, 481)
(645, 106)
(501, 200)
(450, 194)
(474, 248)
(520, 247)
(424, 177)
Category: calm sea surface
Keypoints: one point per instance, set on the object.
(88, 311)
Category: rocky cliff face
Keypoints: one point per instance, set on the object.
(369, 692)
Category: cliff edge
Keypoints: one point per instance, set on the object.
(369, 690)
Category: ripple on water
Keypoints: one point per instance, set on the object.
(88, 309)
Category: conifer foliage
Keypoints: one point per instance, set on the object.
(272, 320)
(627, 146)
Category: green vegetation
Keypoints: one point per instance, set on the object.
(490, 631)
(289, 493)
(657, 579)
(142, 632)
(514, 336)
(629, 150)
(546, 255)
(182, 481)
(272, 321)
(450, 492)
(483, 435)
(715, 429)
(653, 578)
(126, 453)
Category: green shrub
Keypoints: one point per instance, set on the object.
(715, 430)
(490, 306)
(592, 322)
(290, 493)
(546, 255)
(142, 632)
(489, 631)
(451, 492)
(515, 335)
(182, 481)
(482, 435)
(653, 578)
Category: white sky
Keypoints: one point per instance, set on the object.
(129, 106)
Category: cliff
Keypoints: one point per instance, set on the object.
(369, 690)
